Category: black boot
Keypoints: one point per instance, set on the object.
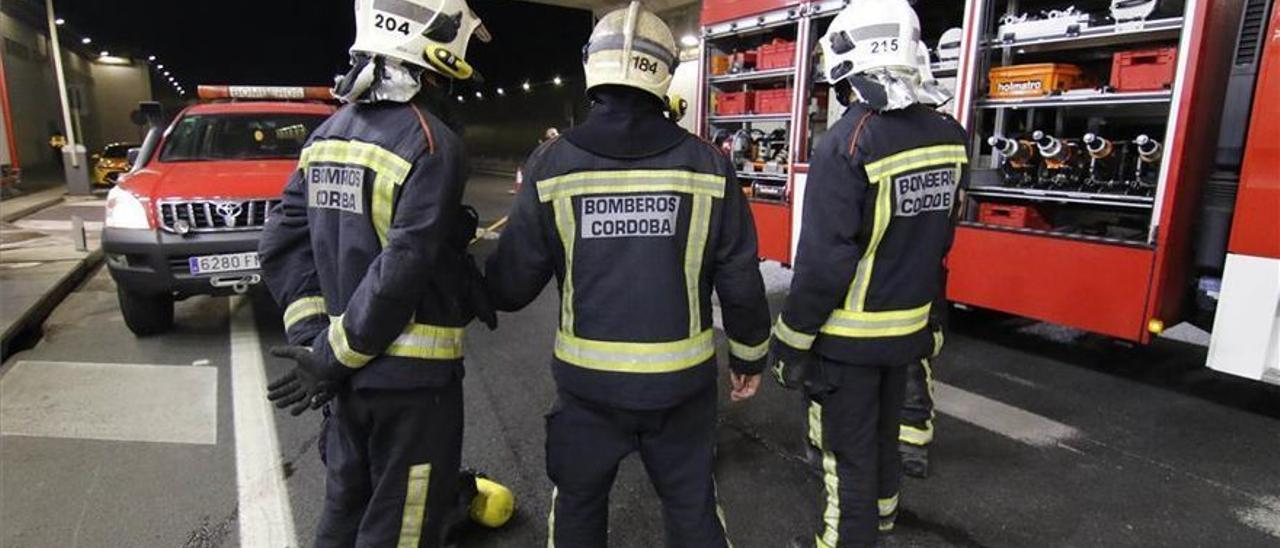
(915, 460)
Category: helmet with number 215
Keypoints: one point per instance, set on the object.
(868, 35)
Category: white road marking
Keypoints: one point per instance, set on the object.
(264, 514)
(1000, 418)
(1265, 516)
(110, 401)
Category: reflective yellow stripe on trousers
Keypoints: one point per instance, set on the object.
(417, 489)
(389, 171)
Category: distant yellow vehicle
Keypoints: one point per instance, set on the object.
(112, 162)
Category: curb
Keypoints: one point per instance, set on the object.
(11, 216)
(33, 318)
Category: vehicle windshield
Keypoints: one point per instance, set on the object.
(256, 136)
(118, 150)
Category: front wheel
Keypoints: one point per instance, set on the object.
(146, 314)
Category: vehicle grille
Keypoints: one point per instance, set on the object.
(213, 215)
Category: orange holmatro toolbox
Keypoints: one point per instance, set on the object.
(1034, 80)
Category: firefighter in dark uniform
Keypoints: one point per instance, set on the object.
(639, 221)
(366, 253)
(882, 188)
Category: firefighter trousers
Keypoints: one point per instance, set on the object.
(392, 459)
(917, 406)
(854, 422)
(587, 441)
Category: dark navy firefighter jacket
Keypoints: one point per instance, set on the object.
(638, 236)
(359, 251)
(878, 220)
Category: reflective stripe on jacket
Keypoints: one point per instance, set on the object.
(637, 245)
(878, 220)
(359, 248)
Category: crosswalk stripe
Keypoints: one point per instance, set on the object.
(1001, 418)
(264, 513)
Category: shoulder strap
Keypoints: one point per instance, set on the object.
(426, 129)
(857, 133)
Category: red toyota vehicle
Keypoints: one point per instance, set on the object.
(186, 220)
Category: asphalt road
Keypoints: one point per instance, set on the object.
(1046, 437)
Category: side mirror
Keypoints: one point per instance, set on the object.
(132, 155)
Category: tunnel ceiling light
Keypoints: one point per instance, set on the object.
(461, 99)
(557, 81)
(151, 58)
(166, 73)
(59, 21)
(479, 95)
(525, 86)
(159, 67)
(501, 91)
(688, 40)
(86, 40)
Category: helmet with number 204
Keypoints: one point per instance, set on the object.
(631, 47)
(871, 34)
(432, 34)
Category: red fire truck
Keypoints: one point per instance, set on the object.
(1185, 230)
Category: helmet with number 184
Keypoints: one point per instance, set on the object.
(631, 47)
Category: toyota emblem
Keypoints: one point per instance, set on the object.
(229, 211)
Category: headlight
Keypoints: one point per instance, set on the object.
(124, 210)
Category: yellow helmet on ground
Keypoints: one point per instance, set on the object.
(493, 504)
(631, 47)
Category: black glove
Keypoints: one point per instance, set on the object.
(478, 296)
(468, 224)
(310, 384)
(794, 369)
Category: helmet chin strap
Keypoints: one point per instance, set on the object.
(868, 91)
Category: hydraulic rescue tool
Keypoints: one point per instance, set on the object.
(1064, 165)
(1021, 160)
(1147, 169)
(1106, 163)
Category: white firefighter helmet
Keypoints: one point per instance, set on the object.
(631, 47)
(431, 34)
(870, 34)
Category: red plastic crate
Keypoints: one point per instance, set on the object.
(777, 54)
(1012, 215)
(1144, 70)
(773, 101)
(734, 103)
